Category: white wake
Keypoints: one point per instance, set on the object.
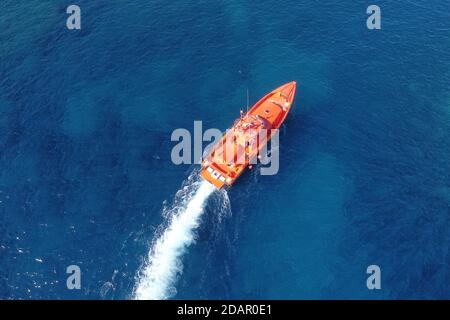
(159, 273)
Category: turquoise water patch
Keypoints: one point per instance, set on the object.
(294, 250)
(142, 111)
(80, 116)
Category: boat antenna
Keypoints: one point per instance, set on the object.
(247, 100)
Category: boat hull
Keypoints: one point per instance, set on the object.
(247, 137)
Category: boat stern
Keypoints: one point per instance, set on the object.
(214, 176)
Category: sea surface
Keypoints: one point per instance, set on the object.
(86, 176)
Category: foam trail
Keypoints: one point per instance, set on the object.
(164, 265)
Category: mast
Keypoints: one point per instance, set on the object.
(242, 112)
(247, 100)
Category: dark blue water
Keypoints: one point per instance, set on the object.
(85, 124)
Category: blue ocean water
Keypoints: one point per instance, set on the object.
(85, 124)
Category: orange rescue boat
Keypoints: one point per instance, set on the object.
(242, 143)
